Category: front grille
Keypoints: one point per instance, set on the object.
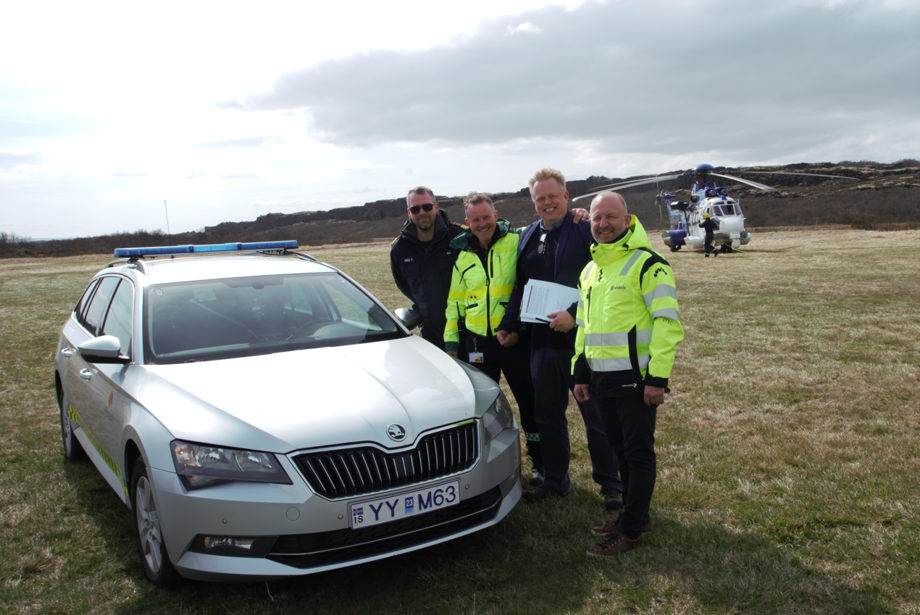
(356, 471)
(329, 548)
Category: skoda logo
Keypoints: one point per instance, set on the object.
(396, 432)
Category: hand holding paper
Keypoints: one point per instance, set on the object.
(543, 300)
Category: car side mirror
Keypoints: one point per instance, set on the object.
(103, 349)
(410, 318)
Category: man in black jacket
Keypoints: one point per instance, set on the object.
(421, 260)
(709, 225)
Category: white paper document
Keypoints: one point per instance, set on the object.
(543, 298)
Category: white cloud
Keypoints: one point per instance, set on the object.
(271, 141)
(239, 176)
(110, 107)
(526, 28)
(765, 78)
(10, 161)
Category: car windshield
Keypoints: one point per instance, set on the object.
(237, 317)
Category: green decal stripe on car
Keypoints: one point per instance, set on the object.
(464, 422)
(75, 417)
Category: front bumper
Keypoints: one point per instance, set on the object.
(313, 532)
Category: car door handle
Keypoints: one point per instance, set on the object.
(86, 374)
(67, 352)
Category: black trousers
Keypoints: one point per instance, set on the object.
(551, 369)
(514, 362)
(630, 426)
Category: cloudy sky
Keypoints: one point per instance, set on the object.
(227, 111)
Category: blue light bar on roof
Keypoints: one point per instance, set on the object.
(205, 249)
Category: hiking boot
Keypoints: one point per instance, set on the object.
(540, 494)
(613, 499)
(609, 528)
(536, 477)
(615, 543)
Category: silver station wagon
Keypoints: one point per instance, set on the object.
(264, 416)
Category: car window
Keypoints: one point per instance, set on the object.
(118, 320)
(99, 304)
(352, 309)
(80, 309)
(210, 319)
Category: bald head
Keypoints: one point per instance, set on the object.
(609, 217)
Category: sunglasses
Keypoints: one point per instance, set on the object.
(417, 208)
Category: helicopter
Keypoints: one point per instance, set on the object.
(706, 197)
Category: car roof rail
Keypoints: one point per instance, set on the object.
(307, 257)
(130, 262)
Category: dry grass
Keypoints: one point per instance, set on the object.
(789, 457)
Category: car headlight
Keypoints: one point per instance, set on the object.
(203, 465)
(497, 418)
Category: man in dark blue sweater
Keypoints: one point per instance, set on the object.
(556, 249)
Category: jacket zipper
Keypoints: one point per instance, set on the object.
(588, 314)
(488, 289)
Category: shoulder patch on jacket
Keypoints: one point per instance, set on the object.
(653, 259)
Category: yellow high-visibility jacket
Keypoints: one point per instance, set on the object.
(628, 318)
(480, 294)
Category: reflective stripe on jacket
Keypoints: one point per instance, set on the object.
(628, 318)
(477, 295)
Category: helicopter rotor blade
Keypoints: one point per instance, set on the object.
(629, 184)
(806, 174)
(746, 181)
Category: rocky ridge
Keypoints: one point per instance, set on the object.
(845, 201)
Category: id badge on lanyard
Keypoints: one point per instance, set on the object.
(476, 357)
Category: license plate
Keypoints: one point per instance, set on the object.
(408, 504)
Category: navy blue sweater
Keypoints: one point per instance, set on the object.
(568, 250)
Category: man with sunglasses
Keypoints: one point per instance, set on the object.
(556, 249)
(421, 260)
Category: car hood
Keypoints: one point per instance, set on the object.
(315, 398)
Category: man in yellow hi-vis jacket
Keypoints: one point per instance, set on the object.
(628, 329)
(482, 280)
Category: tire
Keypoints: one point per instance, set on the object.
(73, 450)
(147, 531)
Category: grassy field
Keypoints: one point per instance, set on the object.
(789, 461)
